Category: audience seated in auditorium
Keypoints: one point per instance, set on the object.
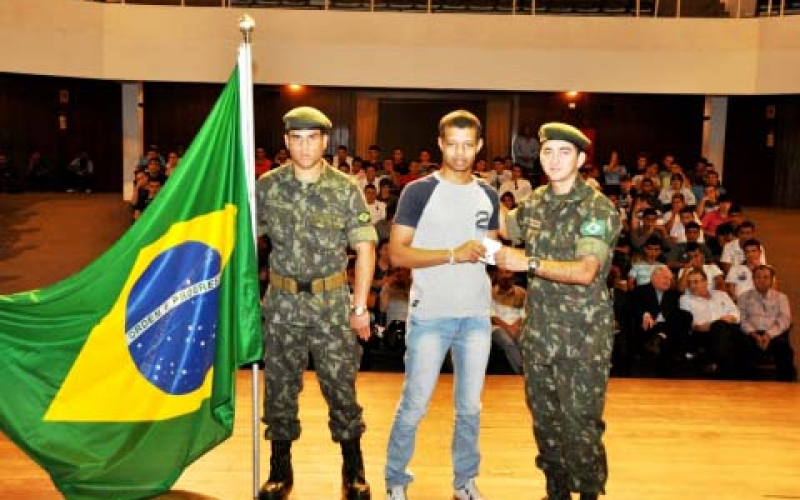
(508, 313)
(715, 327)
(766, 319)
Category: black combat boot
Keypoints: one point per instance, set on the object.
(281, 477)
(354, 481)
(589, 496)
(557, 488)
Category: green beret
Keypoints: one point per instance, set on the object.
(305, 118)
(556, 131)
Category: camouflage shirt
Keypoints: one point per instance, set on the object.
(567, 320)
(310, 226)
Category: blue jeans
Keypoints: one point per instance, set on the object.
(427, 343)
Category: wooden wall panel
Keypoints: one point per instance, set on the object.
(629, 124)
(29, 119)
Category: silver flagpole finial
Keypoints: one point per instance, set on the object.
(246, 26)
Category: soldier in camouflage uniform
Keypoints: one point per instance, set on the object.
(569, 230)
(311, 212)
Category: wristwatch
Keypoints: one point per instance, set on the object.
(533, 265)
(358, 310)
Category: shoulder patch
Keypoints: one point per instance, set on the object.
(364, 217)
(597, 228)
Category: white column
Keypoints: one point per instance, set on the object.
(715, 116)
(132, 133)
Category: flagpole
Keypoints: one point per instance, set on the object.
(246, 26)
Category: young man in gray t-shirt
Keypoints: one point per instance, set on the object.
(439, 232)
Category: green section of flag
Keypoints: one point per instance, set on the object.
(43, 331)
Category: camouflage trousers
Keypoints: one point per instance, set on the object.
(566, 399)
(336, 353)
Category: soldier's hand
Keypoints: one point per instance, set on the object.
(469, 251)
(360, 325)
(512, 259)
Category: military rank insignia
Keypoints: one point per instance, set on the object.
(364, 217)
(595, 228)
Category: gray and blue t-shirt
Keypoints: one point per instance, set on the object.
(445, 215)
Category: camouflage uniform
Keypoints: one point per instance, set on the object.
(310, 226)
(568, 333)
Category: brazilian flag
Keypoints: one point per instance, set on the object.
(117, 378)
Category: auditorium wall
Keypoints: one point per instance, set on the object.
(402, 50)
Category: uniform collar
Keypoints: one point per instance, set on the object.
(579, 191)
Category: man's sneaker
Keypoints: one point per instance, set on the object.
(468, 492)
(396, 493)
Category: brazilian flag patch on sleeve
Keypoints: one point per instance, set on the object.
(364, 217)
(594, 228)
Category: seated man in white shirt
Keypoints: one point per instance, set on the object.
(516, 185)
(508, 312)
(376, 208)
(733, 251)
(767, 319)
(740, 276)
(715, 327)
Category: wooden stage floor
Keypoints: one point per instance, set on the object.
(666, 440)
